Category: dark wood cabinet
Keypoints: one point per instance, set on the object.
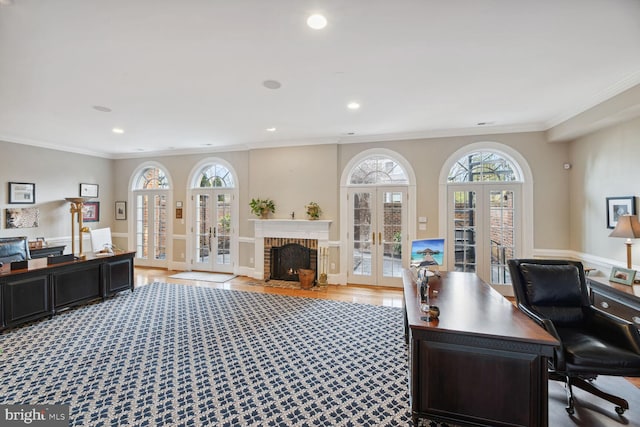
(618, 300)
(42, 290)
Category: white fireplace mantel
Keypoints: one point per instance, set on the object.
(288, 229)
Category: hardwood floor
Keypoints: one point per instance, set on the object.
(374, 295)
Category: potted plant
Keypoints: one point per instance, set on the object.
(262, 207)
(313, 210)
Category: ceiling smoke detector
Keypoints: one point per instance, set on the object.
(271, 84)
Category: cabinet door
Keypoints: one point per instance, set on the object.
(75, 285)
(25, 299)
(118, 276)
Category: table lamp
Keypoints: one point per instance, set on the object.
(629, 228)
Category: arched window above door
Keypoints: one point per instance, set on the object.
(214, 175)
(376, 170)
(151, 178)
(483, 166)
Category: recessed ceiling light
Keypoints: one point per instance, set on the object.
(353, 105)
(102, 108)
(117, 130)
(271, 129)
(317, 21)
(271, 84)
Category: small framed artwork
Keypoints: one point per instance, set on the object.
(178, 213)
(623, 276)
(618, 206)
(121, 210)
(91, 212)
(22, 193)
(88, 190)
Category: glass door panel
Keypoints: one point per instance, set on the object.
(501, 234)
(212, 241)
(151, 216)
(376, 236)
(222, 233)
(362, 234)
(464, 231)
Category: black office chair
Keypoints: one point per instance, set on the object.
(554, 293)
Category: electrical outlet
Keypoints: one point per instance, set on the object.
(251, 260)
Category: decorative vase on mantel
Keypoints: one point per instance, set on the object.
(313, 211)
(262, 207)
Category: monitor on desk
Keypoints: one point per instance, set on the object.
(101, 239)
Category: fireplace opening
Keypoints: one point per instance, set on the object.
(287, 259)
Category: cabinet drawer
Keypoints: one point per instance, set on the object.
(616, 308)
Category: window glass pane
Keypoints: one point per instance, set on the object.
(215, 175)
(151, 178)
(378, 170)
(483, 167)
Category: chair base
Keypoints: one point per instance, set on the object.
(586, 384)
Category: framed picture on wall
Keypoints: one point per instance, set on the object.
(91, 212)
(121, 210)
(618, 206)
(22, 193)
(88, 190)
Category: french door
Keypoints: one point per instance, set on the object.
(377, 235)
(151, 222)
(484, 230)
(211, 244)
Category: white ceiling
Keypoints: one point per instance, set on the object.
(187, 76)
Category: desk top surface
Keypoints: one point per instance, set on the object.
(469, 306)
(41, 263)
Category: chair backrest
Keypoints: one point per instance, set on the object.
(553, 289)
(14, 249)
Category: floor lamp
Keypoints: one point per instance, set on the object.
(77, 206)
(629, 228)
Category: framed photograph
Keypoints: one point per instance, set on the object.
(88, 190)
(618, 206)
(22, 193)
(91, 212)
(427, 252)
(121, 210)
(623, 276)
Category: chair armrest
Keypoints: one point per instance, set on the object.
(547, 324)
(620, 332)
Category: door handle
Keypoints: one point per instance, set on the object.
(379, 237)
(373, 237)
(215, 232)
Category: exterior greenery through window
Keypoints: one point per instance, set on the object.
(216, 176)
(151, 215)
(483, 166)
(378, 170)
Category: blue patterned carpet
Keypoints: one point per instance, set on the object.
(177, 355)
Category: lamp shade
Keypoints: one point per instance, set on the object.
(627, 227)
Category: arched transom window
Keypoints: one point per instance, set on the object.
(151, 178)
(378, 169)
(483, 166)
(215, 175)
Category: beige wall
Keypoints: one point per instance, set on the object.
(292, 177)
(605, 164)
(57, 175)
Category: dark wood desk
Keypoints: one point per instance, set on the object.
(42, 290)
(482, 363)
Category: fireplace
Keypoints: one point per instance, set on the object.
(278, 232)
(286, 260)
